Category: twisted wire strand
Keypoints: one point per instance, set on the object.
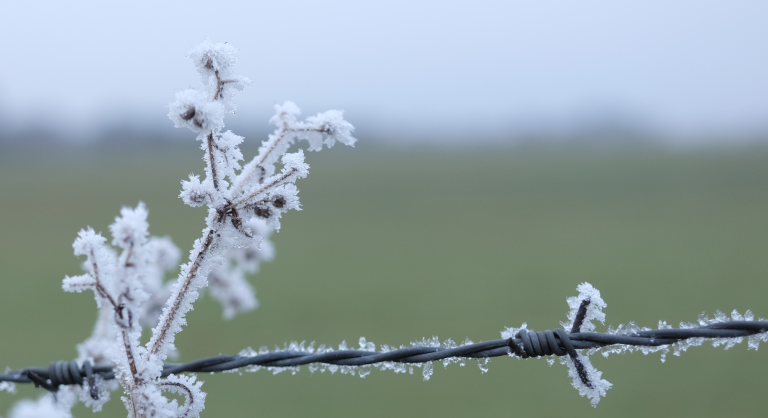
(526, 343)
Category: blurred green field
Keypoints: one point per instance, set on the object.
(400, 245)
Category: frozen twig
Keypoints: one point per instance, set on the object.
(243, 210)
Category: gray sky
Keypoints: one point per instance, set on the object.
(399, 68)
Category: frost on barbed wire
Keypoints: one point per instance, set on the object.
(586, 379)
(594, 309)
(363, 370)
(588, 306)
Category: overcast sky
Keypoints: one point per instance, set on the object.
(398, 67)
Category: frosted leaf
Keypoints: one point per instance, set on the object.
(9, 387)
(192, 109)
(78, 283)
(294, 162)
(209, 57)
(215, 63)
(324, 129)
(100, 263)
(44, 407)
(599, 386)
(195, 193)
(130, 228)
(594, 309)
(87, 240)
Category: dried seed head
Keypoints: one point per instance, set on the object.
(189, 114)
(278, 202)
(262, 212)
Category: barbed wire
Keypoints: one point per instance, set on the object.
(524, 344)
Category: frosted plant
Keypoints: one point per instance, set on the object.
(245, 205)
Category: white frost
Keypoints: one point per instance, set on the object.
(594, 309)
(598, 385)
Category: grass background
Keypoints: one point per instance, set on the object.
(400, 245)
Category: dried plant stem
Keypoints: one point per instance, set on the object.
(249, 171)
(220, 86)
(175, 304)
(190, 396)
(212, 161)
(264, 189)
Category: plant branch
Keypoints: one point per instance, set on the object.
(99, 288)
(257, 162)
(175, 305)
(275, 183)
(212, 161)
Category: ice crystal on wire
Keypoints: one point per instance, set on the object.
(511, 332)
(591, 383)
(594, 309)
(597, 386)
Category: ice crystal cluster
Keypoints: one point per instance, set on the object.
(245, 204)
